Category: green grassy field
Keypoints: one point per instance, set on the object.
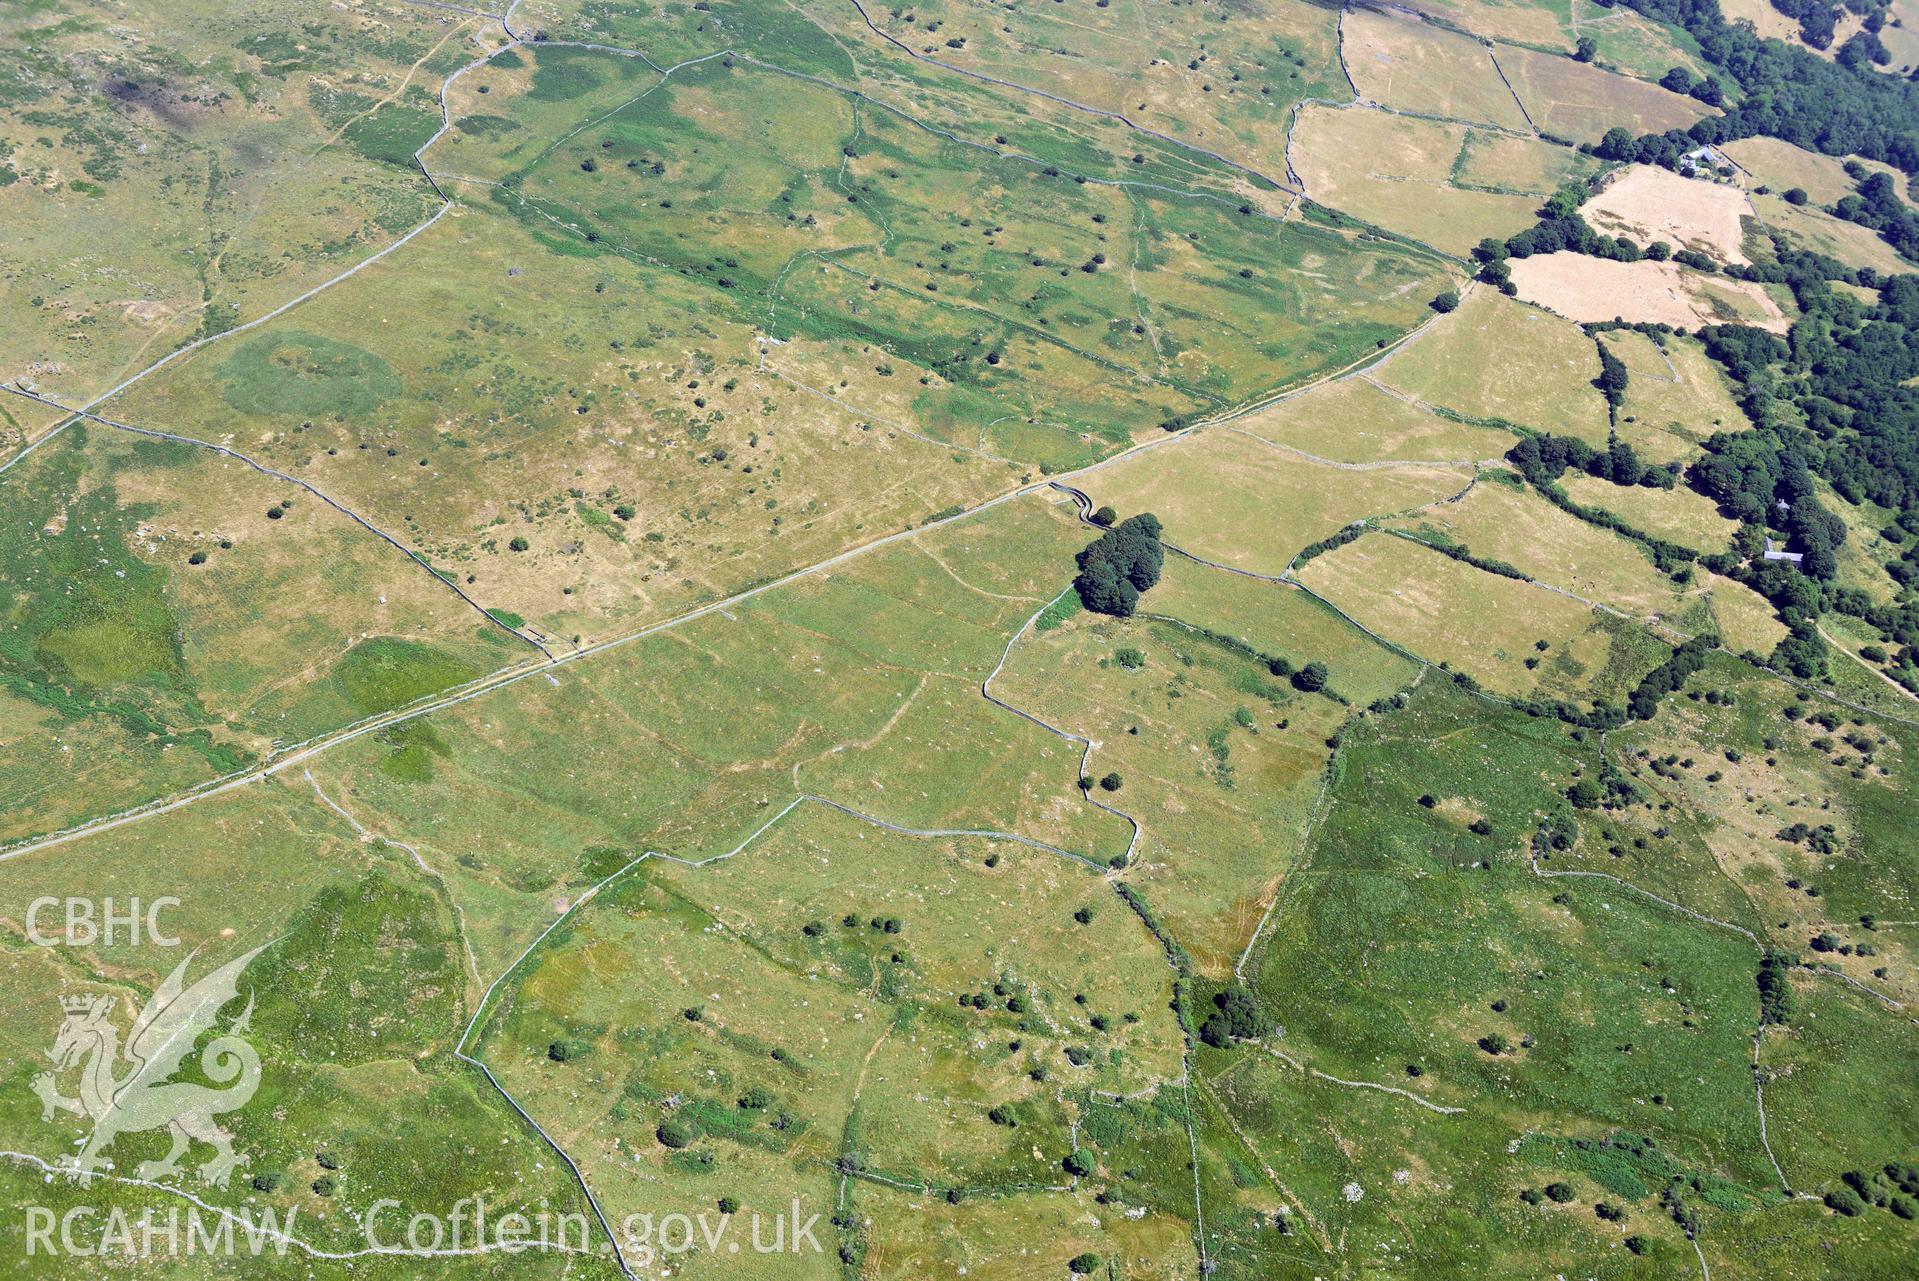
(174, 615)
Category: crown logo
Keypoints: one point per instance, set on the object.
(77, 1003)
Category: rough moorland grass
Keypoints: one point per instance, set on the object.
(154, 212)
(862, 686)
(1482, 624)
(1237, 102)
(1281, 622)
(932, 260)
(754, 1086)
(1791, 770)
(499, 345)
(1049, 981)
(1219, 760)
(388, 672)
(166, 626)
(1624, 1000)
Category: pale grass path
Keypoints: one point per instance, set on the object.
(1420, 1099)
(367, 835)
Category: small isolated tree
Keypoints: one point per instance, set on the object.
(1083, 1264)
(1495, 1043)
(673, 1134)
(1587, 48)
(519, 543)
(1078, 1163)
(1104, 517)
(1111, 783)
(1311, 678)
(1447, 300)
(1795, 195)
(1560, 1192)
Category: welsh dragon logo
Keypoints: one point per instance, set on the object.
(125, 1090)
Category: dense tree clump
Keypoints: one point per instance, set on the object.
(1120, 564)
(1668, 676)
(1560, 229)
(1612, 384)
(1877, 205)
(1838, 108)
(1544, 459)
(1838, 401)
(1235, 1017)
(1775, 990)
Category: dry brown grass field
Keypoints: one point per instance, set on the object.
(1500, 520)
(1780, 165)
(1679, 515)
(1478, 623)
(1676, 397)
(1807, 228)
(1645, 203)
(1580, 101)
(1587, 289)
(1399, 61)
(1356, 420)
(1396, 171)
